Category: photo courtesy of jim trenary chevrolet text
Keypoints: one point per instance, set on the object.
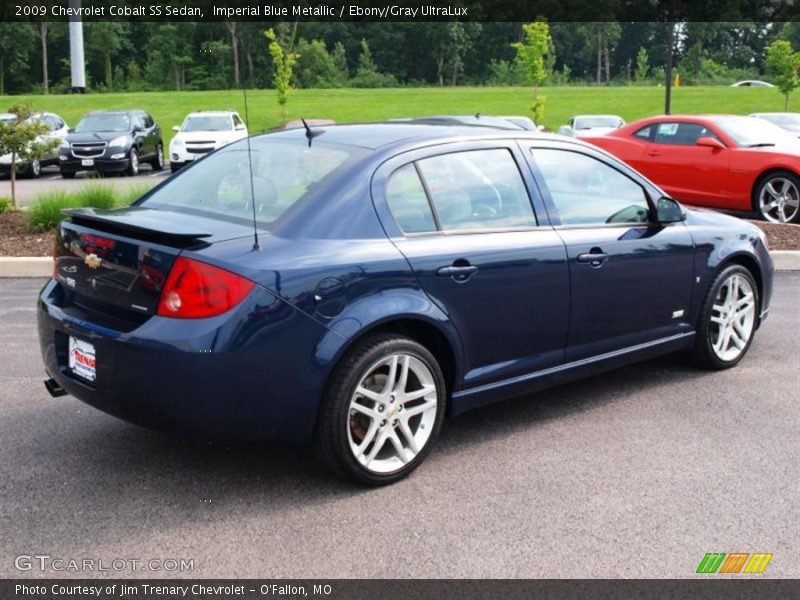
(403, 299)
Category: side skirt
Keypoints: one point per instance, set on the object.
(489, 393)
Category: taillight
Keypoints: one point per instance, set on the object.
(195, 290)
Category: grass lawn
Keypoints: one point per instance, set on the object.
(347, 105)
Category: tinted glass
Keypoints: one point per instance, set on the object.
(408, 202)
(586, 191)
(103, 123)
(480, 189)
(207, 123)
(284, 172)
(644, 133)
(600, 121)
(749, 132)
(681, 134)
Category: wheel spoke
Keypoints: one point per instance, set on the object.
(401, 385)
(368, 437)
(722, 340)
(744, 302)
(420, 393)
(392, 377)
(379, 443)
(771, 190)
(718, 320)
(412, 443)
(419, 409)
(369, 394)
(398, 446)
(736, 339)
(365, 410)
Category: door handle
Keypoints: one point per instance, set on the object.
(594, 257)
(458, 272)
(654, 153)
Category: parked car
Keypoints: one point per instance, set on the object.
(203, 132)
(112, 142)
(499, 122)
(378, 277)
(57, 130)
(721, 161)
(587, 125)
(785, 120)
(752, 83)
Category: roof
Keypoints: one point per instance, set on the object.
(377, 135)
(212, 112)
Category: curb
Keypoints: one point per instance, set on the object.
(42, 266)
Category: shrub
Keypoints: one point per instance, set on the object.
(96, 196)
(130, 194)
(45, 213)
(6, 205)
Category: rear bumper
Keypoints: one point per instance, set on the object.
(245, 375)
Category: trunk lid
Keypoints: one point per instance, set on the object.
(115, 263)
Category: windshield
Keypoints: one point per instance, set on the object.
(284, 172)
(592, 122)
(785, 121)
(750, 132)
(207, 123)
(92, 123)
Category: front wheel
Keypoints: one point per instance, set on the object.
(727, 320)
(383, 410)
(777, 198)
(34, 169)
(133, 163)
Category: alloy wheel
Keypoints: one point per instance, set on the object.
(160, 157)
(134, 162)
(392, 413)
(779, 200)
(732, 318)
(36, 168)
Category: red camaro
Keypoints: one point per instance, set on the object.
(731, 162)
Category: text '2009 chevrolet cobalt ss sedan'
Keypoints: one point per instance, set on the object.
(353, 285)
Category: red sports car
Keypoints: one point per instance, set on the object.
(723, 161)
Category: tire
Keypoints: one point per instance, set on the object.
(68, 174)
(358, 434)
(710, 350)
(158, 162)
(133, 163)
(34, 169)
(777, 198)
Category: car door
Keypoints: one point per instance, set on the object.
(462, 216)
(631, 278)
(153, 134)
(685, 170)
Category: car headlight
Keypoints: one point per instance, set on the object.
(122, 140)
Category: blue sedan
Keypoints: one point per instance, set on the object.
(353, 285)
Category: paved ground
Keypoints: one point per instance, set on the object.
(637, 473)
(50, 180)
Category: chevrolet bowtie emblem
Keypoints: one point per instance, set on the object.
(93, 261)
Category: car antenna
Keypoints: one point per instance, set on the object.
(310, 133)
(256, 245)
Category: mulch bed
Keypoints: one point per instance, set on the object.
(16, 240)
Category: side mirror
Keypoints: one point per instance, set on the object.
(176, 128)
(669, 211)
(710, 142)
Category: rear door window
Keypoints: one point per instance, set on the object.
(477, 189)
(408, 202)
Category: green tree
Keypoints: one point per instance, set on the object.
(283, 61)
(367, 74)
(315, 66)
(642, 65)
(169, 54)
(106, 38)
(24, 139)
(533, 53)
(339, 58)
(784, 63)
(449, 43)
(16, 43)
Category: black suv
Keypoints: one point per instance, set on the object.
(112, 142)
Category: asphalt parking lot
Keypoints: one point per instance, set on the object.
(636, 473)
(51, 180)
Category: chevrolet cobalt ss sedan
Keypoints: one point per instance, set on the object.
(352, 285)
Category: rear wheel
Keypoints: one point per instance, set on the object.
(383, 410)
(777, 198)
(158, 161)
(728, 319)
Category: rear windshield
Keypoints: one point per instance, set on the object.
(284, 172)
(207, 123)
(103, 123)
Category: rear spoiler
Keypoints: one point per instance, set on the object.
(140, 222)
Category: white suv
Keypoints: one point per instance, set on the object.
(203, 132)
